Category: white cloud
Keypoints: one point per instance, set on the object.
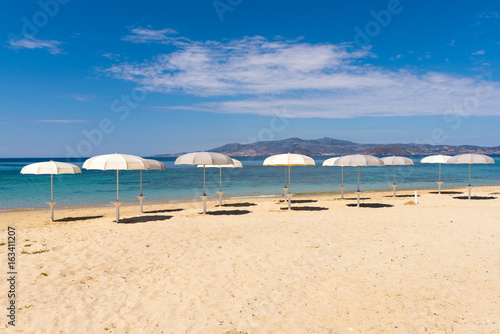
(254, 75)
(29, 42)
(145, 35)
(480, 52)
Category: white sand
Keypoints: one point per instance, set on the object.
(432, 267)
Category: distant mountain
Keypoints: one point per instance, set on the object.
(329, 146)
(388, 150)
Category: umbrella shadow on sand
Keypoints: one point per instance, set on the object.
(305, 208)
(74, 219)
(228, 212)
(166, 210)
(476, 197)
(143, 219)
(447, 192)
(238, 205)
(371, 205)
(353, 198)
(299, 201)
(401, 196)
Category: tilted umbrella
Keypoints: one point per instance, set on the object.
(235, 164)
(331, 162)
(51, 167)
(396, 161)
(436, 159)
(116, 162)
(288, 160)
(153, 165)
(358, 160)
(470, 159)
(204, 159)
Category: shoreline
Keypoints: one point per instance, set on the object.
(215, 198)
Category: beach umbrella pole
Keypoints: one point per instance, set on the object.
(141, 197)
(204, 197)
(470, 187)
(394, 184)
(285, 188)
(357, 193)
(52, 203)
(220, 187)
(117, 203)
(439, 182)
(342, 183)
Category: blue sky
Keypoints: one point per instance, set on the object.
(86, 78)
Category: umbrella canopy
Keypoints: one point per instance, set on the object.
(330, 162)
(436, 159)
(116, 162)
(236, 164)
(289, 159)
(396, 161)
(51, 167)
(204, 159)
(358, 160)
(470, 159)
(155, 165)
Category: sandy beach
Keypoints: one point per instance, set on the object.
(253, 267)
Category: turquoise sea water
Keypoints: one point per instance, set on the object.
(186, 182)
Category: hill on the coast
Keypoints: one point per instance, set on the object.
(330, 146)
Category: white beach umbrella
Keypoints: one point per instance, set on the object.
(51, 167)
(116, 162)
(358, 160)
(236, 164)
(470, 159)
(153, 165)
(396, 161)
(331, 162)
(204, 159)
(436, 159)
(288, 160)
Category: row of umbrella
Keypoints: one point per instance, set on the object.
(359, 160)
(119, 162)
